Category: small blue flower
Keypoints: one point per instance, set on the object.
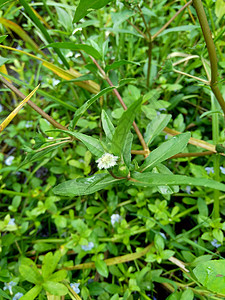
(9, 286)
(209, 170)
(222, 169)
(88, 247)
(188, 189)
(17, 296)
(166, 137)
(215, 243)
(75, 286)
(9, 160)
(12, 222)
(115, 218)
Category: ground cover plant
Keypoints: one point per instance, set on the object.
(112, 149)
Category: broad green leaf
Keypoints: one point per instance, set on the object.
(152, 179)
(211, 275)
(123, 128)
(50, 263)
(69, 45)
(169, 148)
(3, 294)
(2, 37)
(42, 28)
(81, 110)
(33, 293)
(102, 268)
(119, 63)
(85, 186)
(127, 149)
(65, 19)
(85, 6)
(55, 288)
(3, 60)
(187, 295)
(58, 276)
(219, 9)
(155, 127)
(29, 271)
(107, 125)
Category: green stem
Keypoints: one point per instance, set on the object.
(13, 193)
(211, 51)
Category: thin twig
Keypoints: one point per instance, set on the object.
(145, 147)
(32, 104)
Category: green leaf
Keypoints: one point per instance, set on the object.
(58, 276)
(50, 263)
(33, 293)
(165, 190)
(81, 110)
(107, 125)
(102, 268)
(29, 271)
(55, 288)
(2, 37)
(85, 7)
(85, 186)
(42, 28)
(3, 60)
(187, 294)
(119, 63)
(211, 275)
(179, 29)
(169, 148)
(123, 128)
(71, 46)
(3, 294)
(127, 149)
(152, 179)
(155, 127)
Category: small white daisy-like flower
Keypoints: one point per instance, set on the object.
(107, 161)
(9, 286)
(17, 296)
(115, 218)
(9, 160)
(75, 287)
(88, 247)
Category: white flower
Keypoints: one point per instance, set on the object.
(215, 243)
(17, 296)
(9, 160)
(29, 124)
(8, 286)
(50, 137)
(115, 218)
(209, 170)
(74, 286)
(88, 247)
(107, 161)
(12, 222)
(222, 169)
(55, 82)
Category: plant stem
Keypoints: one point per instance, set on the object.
(145, 147)
(189, 75)
(32, 104)
(211, 51)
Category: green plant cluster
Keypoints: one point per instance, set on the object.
(112, 150)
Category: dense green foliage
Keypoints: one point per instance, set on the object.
(111, 176)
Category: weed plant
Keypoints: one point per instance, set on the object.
(112, 150)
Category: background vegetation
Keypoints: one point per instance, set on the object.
(150, 224)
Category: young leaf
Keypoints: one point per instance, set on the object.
(81, 110)
(29, 271)
(152, 179)
(119, 63)
(155, 127)
(55, 288)
(123, 128)
(85, 7)
(33, 293)
(69, 45)
(3, 60)
(50, 262)
(166, 150)
(102, 268)
(85, 186)
(2, 37)
(107, 125)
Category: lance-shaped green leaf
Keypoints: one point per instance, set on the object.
(85, 186)
(85, 6)
(107, 125)
(50, 263)
(77, 47)
(169, 148)
(123, 128)
(152, 179)
(81, 110)
(127, 149)
(155, 127)
(29, 271)
(119, 63)
(33, 293)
